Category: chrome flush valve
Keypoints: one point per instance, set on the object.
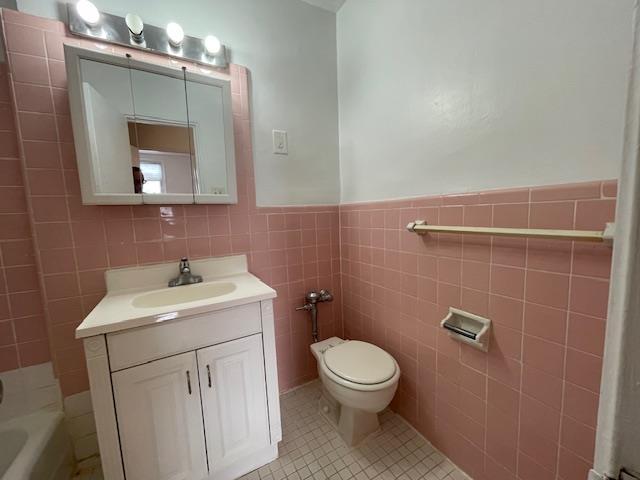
(312, 299)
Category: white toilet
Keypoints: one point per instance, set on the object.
(360, 379)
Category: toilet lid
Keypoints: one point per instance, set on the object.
(360, 362)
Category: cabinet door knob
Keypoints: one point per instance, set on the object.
(209, 375)
(189, 382)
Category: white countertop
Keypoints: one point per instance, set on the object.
(116, 310)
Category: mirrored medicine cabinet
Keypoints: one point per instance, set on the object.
(148, 134)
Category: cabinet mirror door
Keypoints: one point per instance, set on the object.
(234, 401)
(161, 139)
(107, 108)
(213, 142)
(160, 420)
(146, 133)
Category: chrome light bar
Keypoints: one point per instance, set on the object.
(113, 29)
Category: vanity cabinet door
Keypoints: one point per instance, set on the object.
(160, 420)
(234, 401)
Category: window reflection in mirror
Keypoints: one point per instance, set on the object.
(161, 158)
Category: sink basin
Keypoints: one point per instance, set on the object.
(183, 294)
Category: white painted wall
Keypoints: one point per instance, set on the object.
(290, 50)
(435, 96)
(440, 96)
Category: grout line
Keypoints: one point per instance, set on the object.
(524, 294)
(17, 132)
(565, 350)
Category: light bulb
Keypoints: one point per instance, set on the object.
(88, 12)
(175, 34)
(212, 45)
(134, 24)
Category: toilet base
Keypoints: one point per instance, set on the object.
(355, 425)
(352, 424)
(329, 407)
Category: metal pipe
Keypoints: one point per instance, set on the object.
(605, 236)
(314, 323)
(312, 299)
(311, 307)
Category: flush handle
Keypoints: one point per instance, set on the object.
(209, 375)
(189, 382)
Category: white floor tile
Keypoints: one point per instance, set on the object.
(311, 449)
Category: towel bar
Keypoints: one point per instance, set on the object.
(603, 236)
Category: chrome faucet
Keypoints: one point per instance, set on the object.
(185, 277)
(312, 299)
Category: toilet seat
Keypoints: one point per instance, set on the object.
(359, 365)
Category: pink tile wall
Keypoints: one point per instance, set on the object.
(527, 408)
(23, 332)
(292, 249)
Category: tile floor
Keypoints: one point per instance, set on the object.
(312, 450)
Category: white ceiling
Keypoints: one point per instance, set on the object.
(331, 5)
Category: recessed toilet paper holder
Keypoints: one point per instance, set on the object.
(467, 328)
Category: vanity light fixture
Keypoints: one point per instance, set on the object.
(85, 20)
(212, 45)
(88, 12)
(214, 52)
(135, 26)
(175, 34)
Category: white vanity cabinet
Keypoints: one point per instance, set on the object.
(162, 406)
(184, 388)
(160, 419)
(234, 401)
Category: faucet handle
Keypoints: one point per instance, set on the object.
(184, 265)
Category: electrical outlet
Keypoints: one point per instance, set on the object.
(280, 144)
